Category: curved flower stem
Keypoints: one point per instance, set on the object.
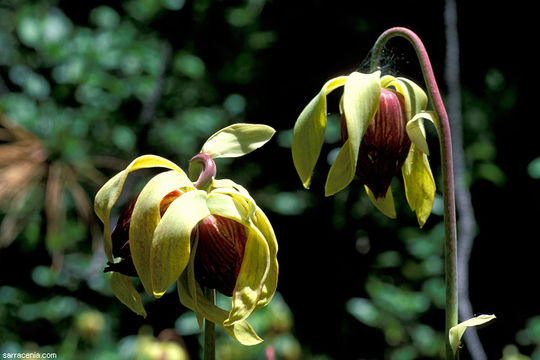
(443, 130)
(209, 329)
(207, 170)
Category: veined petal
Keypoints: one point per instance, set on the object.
(240, 331)
(417, 132)
(145, 219)
(109, 193)
(415, 98)
(251, 278)
(360, 101)
(170, 251)
(385, 204)
(269, 288)
(123, 289)
(419, 184)
(309, 129)
(237, 140)
(457, 331)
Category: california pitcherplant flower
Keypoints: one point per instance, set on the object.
(374, 112)
(199, 232)
(382, 132)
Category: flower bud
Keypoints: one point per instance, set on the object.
(220, 252)
(385, 144)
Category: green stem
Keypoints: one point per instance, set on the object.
(209, 329)
(443, 129)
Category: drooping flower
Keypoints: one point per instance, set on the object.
(382, 132)
(196, 232)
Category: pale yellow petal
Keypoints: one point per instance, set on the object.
(384, 204)
(240, 331)
(237, 140)
(457, 331)
(309, 129)
(145, 219)
(416, 130)
(251, 278)
(231, 205)
(265, 227)
(109, 193)
(416, 99)
(419, 184)
(170, 250)
(124, 291)
(360, 101)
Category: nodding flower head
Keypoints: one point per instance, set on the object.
(385, 144)
(382, 131)
(200, 233)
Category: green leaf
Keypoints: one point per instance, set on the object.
(309, 129)
(457, 331)
(360, 102)
(237, 140)
(170, 252)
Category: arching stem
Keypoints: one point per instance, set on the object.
(204, 166)
(445, 141)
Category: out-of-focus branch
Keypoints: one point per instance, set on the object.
(466, 222)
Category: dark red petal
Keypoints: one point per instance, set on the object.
(385, 144)
(220, 253)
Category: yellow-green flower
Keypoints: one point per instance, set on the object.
(382, 132)
(178, 230)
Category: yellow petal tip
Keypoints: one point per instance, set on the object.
(158, 294)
